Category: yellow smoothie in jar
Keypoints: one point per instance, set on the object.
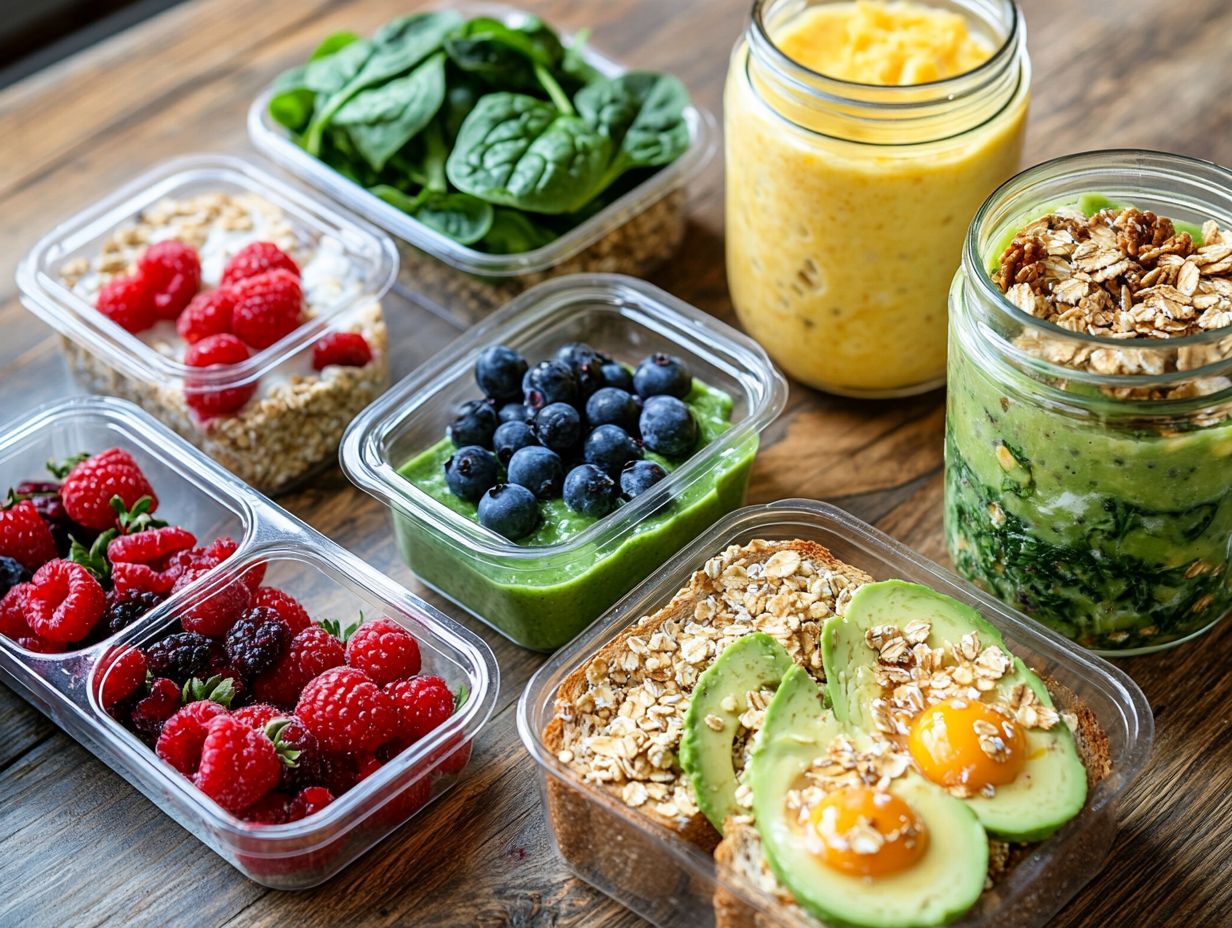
(842, 237)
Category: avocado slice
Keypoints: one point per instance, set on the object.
(945, 882)
(751, 663)
(1052, 787)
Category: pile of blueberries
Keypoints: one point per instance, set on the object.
(574, 426)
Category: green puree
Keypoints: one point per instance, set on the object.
(542, 603)
(1117, 537)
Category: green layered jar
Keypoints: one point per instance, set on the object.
(1098, 503)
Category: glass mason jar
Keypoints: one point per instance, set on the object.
(1098, 503)
(847, 203)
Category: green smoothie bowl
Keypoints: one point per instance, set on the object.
(541, 585)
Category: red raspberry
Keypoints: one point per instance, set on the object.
(267, 307)
(153, 710)
(122, 677)
(208, 314)
(346, 349)
(238, 765)
(287, 607)
(257, 258)
(13, 622)
(311, 652)
(64, 602)
(308, 802)
(384, 650)
(347, 711)
(183, 734)
(214, 615)
(271, 809)
(141, 578)
(366, 765)
(25, 537)
(128, 302)
(454, 760)
(209, 399)
(152, 546)
(408, 802)
(423, 704)
(89, 487)
(173, 273)
(41, 645)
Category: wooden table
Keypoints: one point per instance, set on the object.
(81, 847)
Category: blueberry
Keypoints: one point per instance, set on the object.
(611, 448)
(539, 470)
(510, 437)
(668, 427)
(610, 406)
(473, 424)
(615, 374)
(587, 364)
(515, 412)
(590, 491)
(11, 573)
(549, 382)
(638, 477)
(509, 510)
(559, 427)
(470, 472)
(498, 371)
(662, 375)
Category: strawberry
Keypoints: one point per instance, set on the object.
(183, 735)
(384, 650)
(345, 349)
(122, 677)
(128, 302)
(211, 399)
(257, 258)
(238, 766)
(347, 711)
(308, 802)
(208, 314)
(287, 607)
(25, 537)
(172, 272)
(64, 602)
(423, 703)
(150, 546)
(90, 485)
(267, 307)
(310, 653)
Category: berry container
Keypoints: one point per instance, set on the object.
(329, 581)
(671, 882)
(293, 422)
(542, 596)
(632, 235)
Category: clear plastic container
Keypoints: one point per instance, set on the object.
(673, 883)
(633, 235)
(540, 597)
(292, 424)
(328, 580)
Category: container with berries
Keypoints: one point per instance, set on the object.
(239, 311)
(279, 698)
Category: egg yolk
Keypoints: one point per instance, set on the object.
(948, 741)
(864, 832)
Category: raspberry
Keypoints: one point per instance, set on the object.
(141, 578)
(172, 272)
(124, 607)
(311, 652)
(238, 766)
(41, 645)
(64, 602)
(150, 546)
(384, 650)
(258, 715)
(346, 711)
(257, 258)
(208, 314)
(346, 349)
(408, 802)
(270, 809)
(46, 498)
(287, 607)
(366, 765)
(183, 734)
(423, 703)
(89, 487)
(153, 710)
(454, 760)
(25, 537)
(180, 657)
(214, 615)
(128, 302)
(122, 677)
(209, 399)
(267, 307)
(308, 802)
(256, 641)
(310, 765)
(13, 622)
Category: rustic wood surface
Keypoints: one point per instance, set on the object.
(80, 847)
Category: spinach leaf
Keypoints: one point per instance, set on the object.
(513, 233)
(515, 150)
(330, 74)
(574, 67)
(434, 158)
(505, 56)
(395, 48)
(642, 113)
(395, 197)
(382, 119)
(460, 98)
(332, 43)
(464, 218)
(293, 99)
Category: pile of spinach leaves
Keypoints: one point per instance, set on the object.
(494, 134)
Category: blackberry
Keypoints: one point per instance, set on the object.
(180, 657)
(125, 608)
(256, 642)
(312, 763)
(11, 573)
